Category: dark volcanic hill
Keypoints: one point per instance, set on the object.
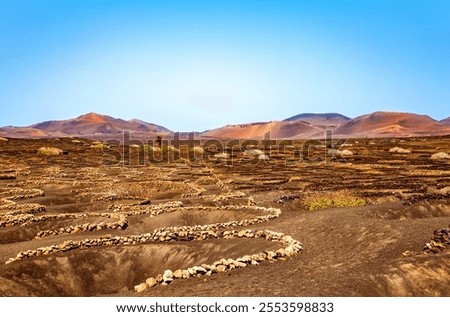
(391, 124)
(321, 120)
(91, 125)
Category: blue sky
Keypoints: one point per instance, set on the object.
(196, 65)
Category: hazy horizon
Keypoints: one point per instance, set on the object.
(198, 65)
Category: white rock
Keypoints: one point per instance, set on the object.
(141, 287)
(151, 282)
(168, 276)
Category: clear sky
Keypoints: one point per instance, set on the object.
(196, 65)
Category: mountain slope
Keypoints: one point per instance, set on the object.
(446, 121)
(91, 125)
(322, 120)
(388, 124)
(257, 130)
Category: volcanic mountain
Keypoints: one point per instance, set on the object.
(257, 130)
(91, 125)
(321, 120)
(391, 124)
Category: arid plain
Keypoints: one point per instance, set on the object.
(370, 220)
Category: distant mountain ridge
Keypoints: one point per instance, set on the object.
(258, 130)
(305, 125)
(446, 121)
(91, 125)
(388, 124)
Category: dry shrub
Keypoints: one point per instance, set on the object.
(440, 156)
(198, 150)
(253, 152)
(324, 200)
(223, 155)
(170, 149)
(100, 146)
(50, 151)
(150, 148)
(399, 150)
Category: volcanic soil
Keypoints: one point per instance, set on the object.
(376, 249)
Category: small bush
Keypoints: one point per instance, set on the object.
(253, 152)
(50, 151)
(399, 150)
(170, 148)
(440, 156)
(223, 155)
(346, 153)
(150, 148)
(323, 200)
(99, 146)
(198, 150)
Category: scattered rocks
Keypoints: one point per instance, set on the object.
(141, 287)
(223, 265)
(151, 282)
(439, 242)
(167, 276)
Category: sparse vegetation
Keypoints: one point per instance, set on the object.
(399, 150)
(99, 146)
(50, 151)
(324, 200)
(170, 148)
(150, 148)
(223, 155)
(198, 150)
(340, 152)
(440, 156)
(253, 152)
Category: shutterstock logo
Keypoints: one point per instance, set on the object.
(189, 149)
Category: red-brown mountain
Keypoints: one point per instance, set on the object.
(257, 130)
(390, 124)
(307, 125)
(91, 125)
(446, 121)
